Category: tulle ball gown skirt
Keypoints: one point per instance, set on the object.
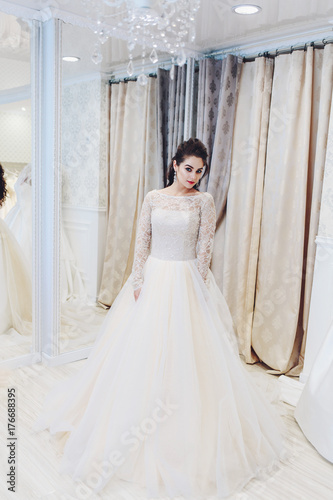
(163, 400)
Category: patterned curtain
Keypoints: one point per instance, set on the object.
(134, 171)
(209, 84)
(171, 113)
(219, 173)
(244, 202)
(217, 98)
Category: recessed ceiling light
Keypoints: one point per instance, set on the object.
(70, 58)
(246, 9)
(23, 109)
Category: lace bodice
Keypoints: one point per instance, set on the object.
(175, 228)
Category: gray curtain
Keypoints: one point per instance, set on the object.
(209, 84)
(170, 113)
(217, 97)
(220, 166)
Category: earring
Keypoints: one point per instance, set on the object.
(174, 176)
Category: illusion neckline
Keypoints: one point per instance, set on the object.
(181, 196)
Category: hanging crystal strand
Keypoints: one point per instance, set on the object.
(181, 58)
(153, 56)
(130, 67)
(142, 79)
(100, 19)
(130, 46)
(97, 55)
(192, 32)
(172, 70)
(103, 36)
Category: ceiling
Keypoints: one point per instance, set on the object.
(217, 25)
(281, 23)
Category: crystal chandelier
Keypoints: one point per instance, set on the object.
(166, 26)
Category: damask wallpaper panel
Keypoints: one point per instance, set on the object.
(15, 137)
(84, 133)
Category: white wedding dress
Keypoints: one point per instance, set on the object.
(19, 220)
(163, 399)
(15, 286)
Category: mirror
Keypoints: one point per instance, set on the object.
(16, 220)
(84, 199)
(85, 183)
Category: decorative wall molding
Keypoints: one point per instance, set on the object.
(15, 94)
(276, 39)
(86, 231)
(20, 11)
(81, 78)
(83, 208)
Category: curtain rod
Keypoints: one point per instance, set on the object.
(288, 50)
(151, 75)
(130, 78)
(268, 53)
(272, 52)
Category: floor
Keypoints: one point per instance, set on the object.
(307, 476)
(80, 323)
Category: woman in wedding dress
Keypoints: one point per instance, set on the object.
(15, 280)
(163, 400)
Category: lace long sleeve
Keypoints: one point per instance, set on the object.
(206, 236)
(142, 243)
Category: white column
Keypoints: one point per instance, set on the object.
(49, 185)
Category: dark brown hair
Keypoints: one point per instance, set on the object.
(192, 147)
(3, 189)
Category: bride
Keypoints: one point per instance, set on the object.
(163, 400)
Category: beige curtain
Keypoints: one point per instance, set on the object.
(244, 203)
(133, 172)
(321, 106)
(273, 203)
(295, 160)
(275, 336)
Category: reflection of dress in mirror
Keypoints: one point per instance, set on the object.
(19, 220)
(10, 199)
(15, 280)
(163, 400)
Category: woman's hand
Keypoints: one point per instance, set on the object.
(136, 294)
